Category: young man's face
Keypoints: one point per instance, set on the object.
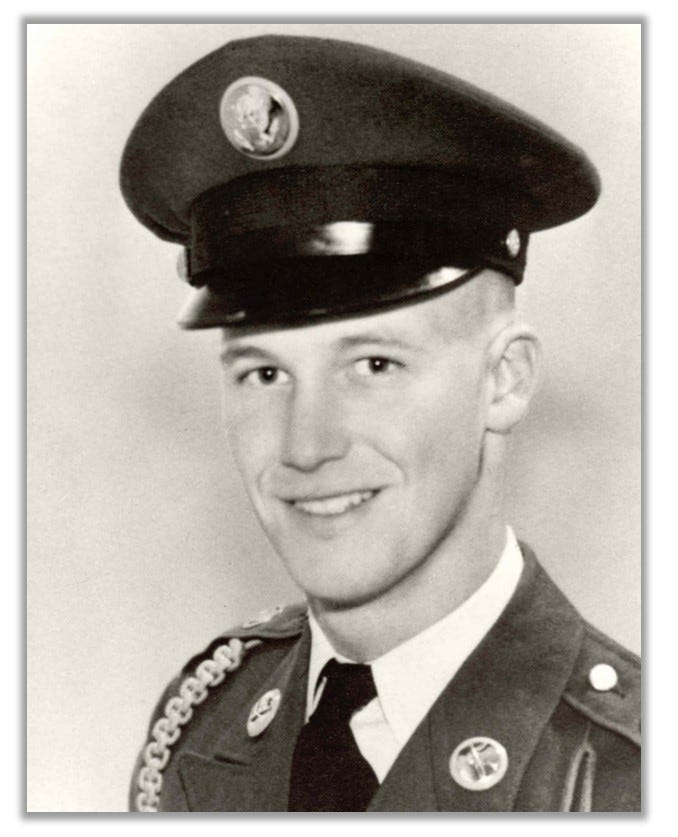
(359, 440)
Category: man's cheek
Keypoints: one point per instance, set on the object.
(254, 446)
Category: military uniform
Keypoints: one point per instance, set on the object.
(562, 699)
(309, 179)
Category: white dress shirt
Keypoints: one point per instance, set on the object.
(410, 677)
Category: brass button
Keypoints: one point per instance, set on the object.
(513, 243)
(603, 677)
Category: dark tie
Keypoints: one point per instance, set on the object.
(328, 771)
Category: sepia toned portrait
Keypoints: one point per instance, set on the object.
(334, 417)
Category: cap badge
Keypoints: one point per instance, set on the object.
(263, 712)
(259, 118)
(513, 243)
(478, 763)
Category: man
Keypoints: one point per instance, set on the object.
(356, 224)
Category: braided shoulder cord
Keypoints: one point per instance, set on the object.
(178, 712)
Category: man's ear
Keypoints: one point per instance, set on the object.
(514, 363)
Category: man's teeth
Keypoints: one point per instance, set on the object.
(334, 505)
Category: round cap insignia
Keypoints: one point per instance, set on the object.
(259, 118)
(478, 763)
(263, 712)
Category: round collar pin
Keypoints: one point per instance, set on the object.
(478, 763)
(263, 712)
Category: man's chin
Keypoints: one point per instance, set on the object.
(335, 600)
(332, 577)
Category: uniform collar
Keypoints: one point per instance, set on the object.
(431, 658)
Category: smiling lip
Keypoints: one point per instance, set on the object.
(333, 505)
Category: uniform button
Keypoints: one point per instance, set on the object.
(263, 712)
(513, 243)
(603, 677)
(478, 763)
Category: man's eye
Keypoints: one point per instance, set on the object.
(367, 366)
(264, 376)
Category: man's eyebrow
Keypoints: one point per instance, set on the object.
(229, 354)
(233, 352)
(373, 338)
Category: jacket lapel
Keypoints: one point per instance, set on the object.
(410, 784)
(252, 773)
(507, 690)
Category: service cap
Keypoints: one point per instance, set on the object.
(308, 177)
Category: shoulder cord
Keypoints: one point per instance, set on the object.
(178, 712)
(581, 772)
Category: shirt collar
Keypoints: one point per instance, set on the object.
(431, 658)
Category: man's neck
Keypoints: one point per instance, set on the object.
(455, 569)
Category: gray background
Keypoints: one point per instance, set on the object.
(141, 545)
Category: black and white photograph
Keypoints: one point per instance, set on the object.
(334, 416)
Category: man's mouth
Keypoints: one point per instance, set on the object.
(335, 505)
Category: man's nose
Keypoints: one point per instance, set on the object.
(315, 431)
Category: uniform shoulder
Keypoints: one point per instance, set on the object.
(275, 624)
(270, 631)
(605, 685)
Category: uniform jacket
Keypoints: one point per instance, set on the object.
(570, 747)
